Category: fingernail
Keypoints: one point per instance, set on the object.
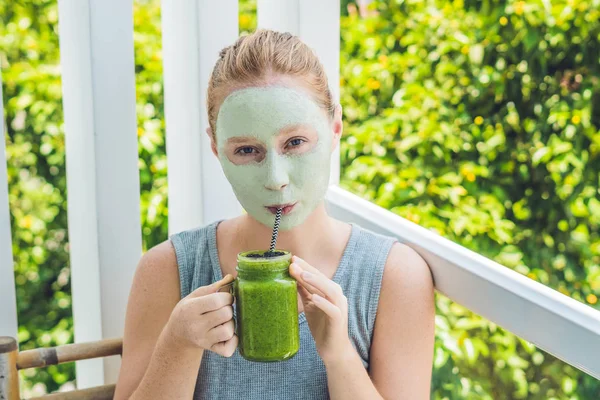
(307, 276)
(293, 267)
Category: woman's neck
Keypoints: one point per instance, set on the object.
(320, 240)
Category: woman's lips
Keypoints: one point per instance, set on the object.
(285, 208)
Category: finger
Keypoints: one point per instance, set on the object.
(305, 295)
(309, 288)
(295, 271)
(318, 281)
(211, 302)
(305, 266)
(212, 288)
(330, 309)
(221, 333)
(216, 301)
(322, 285)
(226, 349)
(220, 316)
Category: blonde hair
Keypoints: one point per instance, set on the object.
(253, 59)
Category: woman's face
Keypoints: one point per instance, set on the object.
(274, 144)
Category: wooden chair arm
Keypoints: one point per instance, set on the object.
(11, 360)
(105, 392)
(70, 352)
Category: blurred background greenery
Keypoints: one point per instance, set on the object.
(477, 119)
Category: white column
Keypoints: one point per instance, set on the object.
(194, 31)
(279, 15)
(96, 46)
(8, 304)
(317, 23)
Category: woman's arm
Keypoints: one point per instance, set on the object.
(147, 350)
(403, 339)
(402, 349)
(164, 336)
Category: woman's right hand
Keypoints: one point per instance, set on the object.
(204, 319)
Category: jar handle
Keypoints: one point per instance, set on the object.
(227, 288)
(226, 284)
(230, 288)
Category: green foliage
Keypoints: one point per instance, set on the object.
(36, 177)
(248, 19)
(477, 119)
(151, 122)
(480, 120)
(29, 58)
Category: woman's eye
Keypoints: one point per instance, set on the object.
(244, 150)
(296, 142)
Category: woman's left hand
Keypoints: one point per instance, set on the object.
(326, 310)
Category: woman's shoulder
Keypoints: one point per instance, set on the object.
(407, 282)
(404, 270)
(371, 247)
(168, 256)
(406, 267)
(399, 255)
(156, 273)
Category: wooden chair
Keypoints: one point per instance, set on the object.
(12, 360)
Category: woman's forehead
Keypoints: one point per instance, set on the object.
(264, 111)
(269, 99)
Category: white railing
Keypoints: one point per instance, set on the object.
(552, 321)
(104, 225)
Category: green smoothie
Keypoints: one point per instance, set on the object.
(267, 306)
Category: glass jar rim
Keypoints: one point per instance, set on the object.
(279, 263)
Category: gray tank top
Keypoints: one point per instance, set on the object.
(302, 377)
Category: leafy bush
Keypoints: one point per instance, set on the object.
(480, 120)
(29, 58)
(36, 177)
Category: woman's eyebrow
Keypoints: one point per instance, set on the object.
(239, 139)
(292, 128)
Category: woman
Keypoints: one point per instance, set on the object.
(366, 302)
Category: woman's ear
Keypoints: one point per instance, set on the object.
(213, 145)
(337, 126)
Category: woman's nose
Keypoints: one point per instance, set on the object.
(277, 173)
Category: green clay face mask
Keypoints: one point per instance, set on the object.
(257, 133)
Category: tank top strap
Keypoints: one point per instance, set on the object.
(192, 249)
(361, 284)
